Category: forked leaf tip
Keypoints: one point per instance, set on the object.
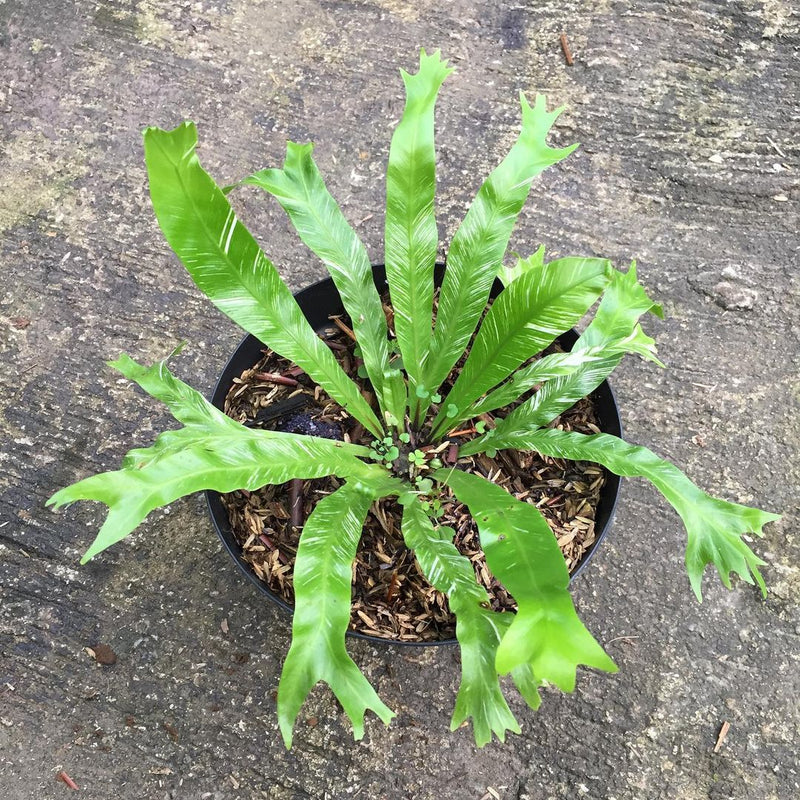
(358, 728)
(760, 581)
(299, 148)
(610, 666)
(725, 576)
(557, 112)
(91, 552)
(117, 363)
(766, 517)
(57, 500)
(177, 145)
(431, 68)
(435, 56)
(286, 733)
(444, 61)
(187, 126)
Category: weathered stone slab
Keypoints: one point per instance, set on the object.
(687, 115)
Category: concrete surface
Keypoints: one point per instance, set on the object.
(688, 117)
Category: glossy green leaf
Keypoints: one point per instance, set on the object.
(228, 266)
(479, 632)
(319, 221)
(527, 683)
(444, 566)
(186, 404)
(322, 588)
(212, 451)
(558, 365)
(411, 232)
(480, 243)
(522, 552)
(624, 302)
(714, 527)
(524, 318)
(535, 261)
(615, 327)
(478, 628)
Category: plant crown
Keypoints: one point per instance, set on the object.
(544, 641)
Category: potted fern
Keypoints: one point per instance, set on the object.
(437, 374)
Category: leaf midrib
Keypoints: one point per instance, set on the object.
(490, 356)
(420, 351)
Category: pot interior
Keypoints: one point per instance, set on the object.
(318, 302)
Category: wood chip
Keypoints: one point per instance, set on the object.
(723, 732)
(344, 328)
(370, 623)
(102, 654)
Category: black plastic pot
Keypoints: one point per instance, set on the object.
(318, 302)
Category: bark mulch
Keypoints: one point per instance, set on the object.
(391, 597)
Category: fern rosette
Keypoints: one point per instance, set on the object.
(439, 360)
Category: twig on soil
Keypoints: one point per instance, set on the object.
(343, 328)
(567, 52)
(62, 776)
(462, 432)
(723, 732)
(621, 639)
(270, 377)
(265, 540)
(296, 502)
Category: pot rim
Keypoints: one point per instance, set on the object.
(603, 396)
